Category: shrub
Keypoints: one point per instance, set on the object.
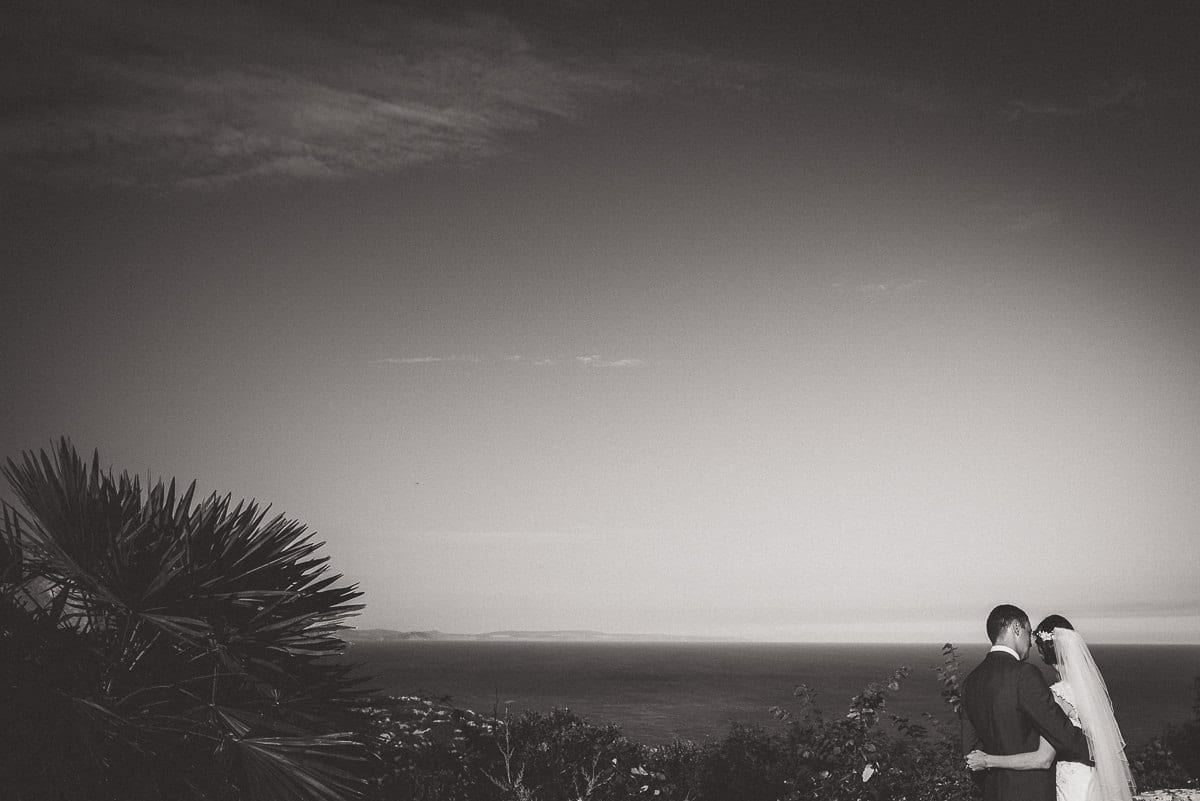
(152, 648)
(434, 751)
(747, 763)
(872, 754)
(430, 750)
(1171, 760)
(1155, 766)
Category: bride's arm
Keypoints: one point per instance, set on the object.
(1040, 759)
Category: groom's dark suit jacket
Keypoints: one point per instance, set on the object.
(1008, 705)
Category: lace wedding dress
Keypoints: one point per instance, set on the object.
(1084, 697)
(1074, 781)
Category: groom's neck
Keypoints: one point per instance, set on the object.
(1002, 648)
(1009, 642)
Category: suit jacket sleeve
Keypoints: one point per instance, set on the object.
(1035, 699)
(971, 741)
(970, 737)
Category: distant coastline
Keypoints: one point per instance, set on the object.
(353, 635)
(564, 635)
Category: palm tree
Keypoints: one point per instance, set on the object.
(156, 648)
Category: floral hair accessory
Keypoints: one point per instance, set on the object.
(1045, 636)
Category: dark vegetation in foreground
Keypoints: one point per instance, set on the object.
(434, 751)
(156, 649)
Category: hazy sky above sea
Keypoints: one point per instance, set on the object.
(772, 320)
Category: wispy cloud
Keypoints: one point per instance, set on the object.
(170, 93)
(597, 361)
(908, 92)
(1102, 98)
(587, 360)
(167, 93)
(161, 92)
(1022, 215)
(869, 289)
(895, 287)
(428, 360)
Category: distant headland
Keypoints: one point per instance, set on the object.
(564, 635)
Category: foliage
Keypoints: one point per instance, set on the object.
(871, 753)
(434, 751)
(949, 675)
(1173, 758)
(430, 750)
(156, 648)
(1155, 765)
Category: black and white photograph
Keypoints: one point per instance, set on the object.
(590, 400)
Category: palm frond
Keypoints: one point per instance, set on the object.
(285, 768)
(184, 634)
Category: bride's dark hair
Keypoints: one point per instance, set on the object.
(1046, 647)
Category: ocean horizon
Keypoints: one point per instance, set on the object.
(660, 691)
(356, 636)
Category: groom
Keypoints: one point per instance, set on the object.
(1009, 706)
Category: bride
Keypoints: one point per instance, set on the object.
(1082, 694)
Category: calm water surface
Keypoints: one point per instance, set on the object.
(658, 691)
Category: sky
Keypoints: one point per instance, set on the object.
(779, 321)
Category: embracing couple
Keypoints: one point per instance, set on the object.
(1039, 742)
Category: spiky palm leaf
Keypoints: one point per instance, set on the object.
(184, 646)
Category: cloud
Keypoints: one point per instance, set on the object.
(1022, 216)
(890, 288)
(908, 92)
(590, 360)
(428, 359)
(597, 361)
(167, 93)
(1104, 97)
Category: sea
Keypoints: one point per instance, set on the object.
(657, 692)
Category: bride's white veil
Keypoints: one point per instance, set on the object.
(1092, 703)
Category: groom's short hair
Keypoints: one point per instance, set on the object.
(1003, 616)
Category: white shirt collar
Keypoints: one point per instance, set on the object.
(1005, 649)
